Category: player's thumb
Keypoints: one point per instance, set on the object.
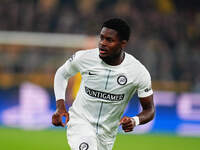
(66, 118)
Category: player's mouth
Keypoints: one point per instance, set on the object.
(102, 51)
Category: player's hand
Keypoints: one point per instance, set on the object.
(57, 118)
(127, 123)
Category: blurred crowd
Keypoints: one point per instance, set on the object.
(164, 37)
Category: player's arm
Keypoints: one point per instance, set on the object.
(60, 83)
(148, 110)
(147, 114)
(145, 94)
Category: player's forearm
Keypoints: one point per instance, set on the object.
(148, 110)
(146, 115)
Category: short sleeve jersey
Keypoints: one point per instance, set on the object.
(105, 90)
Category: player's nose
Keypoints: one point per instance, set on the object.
(102, 43)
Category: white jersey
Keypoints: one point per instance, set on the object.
(105, 90)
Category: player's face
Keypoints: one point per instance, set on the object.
(109, 45)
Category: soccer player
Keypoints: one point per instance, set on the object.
(110, 77)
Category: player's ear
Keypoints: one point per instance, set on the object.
(124, 43)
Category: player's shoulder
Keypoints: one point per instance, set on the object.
(84, 52)
(86, 57)
(135, 63)
(133, 60)
(87, 53)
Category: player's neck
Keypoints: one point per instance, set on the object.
(115, 60)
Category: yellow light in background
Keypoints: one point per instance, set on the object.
(76, 85)
(165, 6)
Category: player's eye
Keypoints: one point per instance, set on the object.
(109, 40)
(101, 37)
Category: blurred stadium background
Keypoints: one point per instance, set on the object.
(37, 36)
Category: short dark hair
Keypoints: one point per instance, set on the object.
(120, 26)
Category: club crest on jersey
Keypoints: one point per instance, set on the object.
(122, 80)
(83, 146)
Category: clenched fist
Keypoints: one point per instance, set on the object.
(127, 123)
(57, 118)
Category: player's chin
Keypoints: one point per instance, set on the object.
(103, 55)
